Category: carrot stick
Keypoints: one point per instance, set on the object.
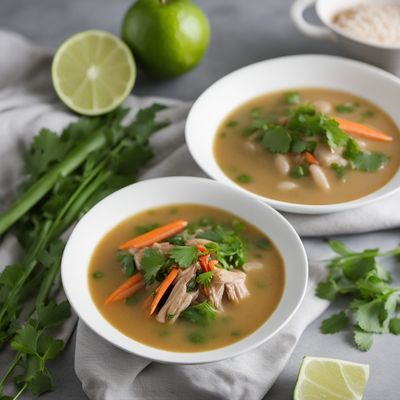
(204, 262)
(165, 284)
(125, 290)
(363, 131)
(148, 301)
(310, 158)
(212, 264)
(156, 235)
(133, 280)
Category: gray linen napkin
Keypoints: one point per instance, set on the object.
(27, 103)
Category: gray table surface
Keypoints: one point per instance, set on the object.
(243, 32)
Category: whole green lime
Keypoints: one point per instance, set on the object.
(167, 37)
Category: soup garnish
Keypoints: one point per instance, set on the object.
(311, 145)
(189, 277)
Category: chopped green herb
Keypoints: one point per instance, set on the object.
(263, 244)
(192, 286)
(346, 108)
(127, 262)
(205, 278)
(255, 112)
(232, 124)
(201, 313)
(292, 97)
(367, 114)
(174, 211)
(196, 337)
(340, 171)
(244, 178)
(236, 333)
(133, 300)
(98, 275)
(238, 226)
(300, 171)
(185, 256)
(205, 221)
(152, 262)
(170, 316)
(261, 284)
(222, 135)
(141, 229)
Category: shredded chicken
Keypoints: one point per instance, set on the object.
(253, 265)
(197, 242)
(233, 282)
(164, 247)
(179, 298)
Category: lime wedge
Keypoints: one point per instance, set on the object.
(93, 72)
(330, 379)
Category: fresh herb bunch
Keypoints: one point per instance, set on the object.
(300, 128)
(65, 176)
(373, 303)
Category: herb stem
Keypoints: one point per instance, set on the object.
(10, 371)
(22, 390)
(42, 186)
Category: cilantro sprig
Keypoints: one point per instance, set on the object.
(372, 301)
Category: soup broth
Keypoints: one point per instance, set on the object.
(242, 154)
(237, 320)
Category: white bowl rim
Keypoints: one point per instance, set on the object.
(297, 208)
(170, 357)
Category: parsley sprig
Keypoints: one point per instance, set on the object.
(372, 301)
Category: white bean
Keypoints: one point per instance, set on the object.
(319, 177)
(250, 146)
(287, 186)
(282, 164)
(323, 106)
(328, 157)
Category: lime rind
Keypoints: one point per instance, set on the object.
(102, 55)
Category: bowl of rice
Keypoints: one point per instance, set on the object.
(368, 30)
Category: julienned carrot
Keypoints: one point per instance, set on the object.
(201, 248)
(212, 264)
(310, 158)
(129, 287)
(363, 131)
(165, 284)
(156, 235)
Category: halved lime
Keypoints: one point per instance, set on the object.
(93, 72)
(330, 379)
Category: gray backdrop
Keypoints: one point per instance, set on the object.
(243, 32)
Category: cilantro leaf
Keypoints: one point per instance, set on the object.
(277, 140)
(300, 171)
(45, 150)
(200, 313)
(185, 256)
(339, 247)
(394, 326)
(53, 314)
(292, 97)
(369, 316)
(127, 262)
(205, 278)
(346, 108)
(327, 290)
(152, 262)
(335, 323)
(363, 339)
(340, 171)
(49, 348)
(26, 340)
(369, 162)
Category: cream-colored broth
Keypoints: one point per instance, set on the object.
(235, 159)
(237, 321)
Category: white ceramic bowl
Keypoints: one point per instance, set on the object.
(307, 71)
(384, 56)
(160, 192)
